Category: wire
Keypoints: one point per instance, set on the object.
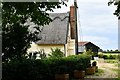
(79, 28)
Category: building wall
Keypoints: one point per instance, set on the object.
(46, 47)
(70, 46)
(81, 48)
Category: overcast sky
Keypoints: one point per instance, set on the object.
(96, 23)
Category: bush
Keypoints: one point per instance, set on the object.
(105, 56)
(43, 69)
(112, 57)
(24, 70)
(56, 53)
(100, 55)
(79, 66)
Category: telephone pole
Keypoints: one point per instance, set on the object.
(76, 29)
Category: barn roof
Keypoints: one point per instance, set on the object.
(57, 30)
(83, 43)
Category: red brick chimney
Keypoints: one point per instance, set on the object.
(72, 21)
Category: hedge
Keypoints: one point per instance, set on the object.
(42, 69)
(108, 56)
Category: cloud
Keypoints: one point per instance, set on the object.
(101, 41)
(97, 23)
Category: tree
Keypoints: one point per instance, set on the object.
(56, 53)
(16, 37)
(116, 3)
(107, 51)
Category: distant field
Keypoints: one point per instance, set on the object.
(109, 53)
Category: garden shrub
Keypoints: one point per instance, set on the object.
(57, 53)
(105, 56)
(100, 55)
(116, 56)
(112, 56)
(43, 69)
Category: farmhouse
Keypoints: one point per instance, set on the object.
(60, 33)
(85, 46)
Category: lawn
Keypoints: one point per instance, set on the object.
(112, 61)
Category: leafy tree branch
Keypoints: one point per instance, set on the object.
(16, 36)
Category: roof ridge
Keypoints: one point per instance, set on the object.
(56, 31)
(59, 13)
(58, 17)
(84, 41)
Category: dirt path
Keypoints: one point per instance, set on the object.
(110, 70)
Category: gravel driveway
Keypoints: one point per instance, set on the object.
(110, 70)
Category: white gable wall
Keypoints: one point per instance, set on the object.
(70, 46)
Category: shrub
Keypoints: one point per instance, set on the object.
(43, 69)
(105, 56)
(57, 53)
(112, 57)
(61, 69)
(100, 55)
(24, 70)
(79, 66)
(89, 52)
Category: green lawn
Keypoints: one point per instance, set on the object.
(111, 61)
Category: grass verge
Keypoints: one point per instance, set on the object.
(111, 61)
(100, 71)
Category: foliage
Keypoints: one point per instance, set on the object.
(24, 70)
(100, 55)
(108, 56)
(62, 69)
(17, 36)
(42, 69)
(105, 56)
(112, 51)
(116, 3)
(73, 60)
(79, 66)
(119, 57)
(112, 56)
(56, 53)
(89, 52)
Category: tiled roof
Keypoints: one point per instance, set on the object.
(83, 43)
(56, 32)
